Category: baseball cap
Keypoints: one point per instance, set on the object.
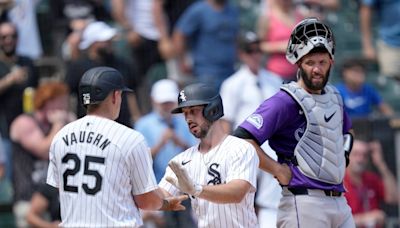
(247, 39)
(165, 90)
(96, 32)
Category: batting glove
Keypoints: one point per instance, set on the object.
(182, 181)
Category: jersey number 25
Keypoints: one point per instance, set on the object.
(86, 171)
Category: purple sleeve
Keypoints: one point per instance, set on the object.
(270, 116)
(347, 125)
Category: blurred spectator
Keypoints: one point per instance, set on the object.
(241, 93)
(166, 14)
(23, 14)
(2, 160)
(44, 211)
(99, 8)
(360, 98)
(366, 190)
(275, 27)
(96, 44)
(388, 43)
(5, 183)
(79, 15)
(137, 20)
(317, 8)
(208, 29)
(248, 87)
(31, 135)
(167, 135)
(16, 74)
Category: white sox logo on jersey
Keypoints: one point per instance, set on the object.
(212, 171)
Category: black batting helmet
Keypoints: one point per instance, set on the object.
(201, 94)
(98, 82)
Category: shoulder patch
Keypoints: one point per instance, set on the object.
(256, 120)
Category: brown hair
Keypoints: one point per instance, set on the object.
(48, 91)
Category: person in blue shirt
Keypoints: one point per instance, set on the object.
(360, 98)
(209, 30)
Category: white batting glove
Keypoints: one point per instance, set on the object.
(182, 181)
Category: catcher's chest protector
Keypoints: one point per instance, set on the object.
(319, 152)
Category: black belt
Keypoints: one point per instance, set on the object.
(304, 191)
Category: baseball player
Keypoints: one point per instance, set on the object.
(307, 127)
(219, 173)
(103, 170)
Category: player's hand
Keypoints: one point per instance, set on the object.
(182, 181)
(174, 203)
(284, 174)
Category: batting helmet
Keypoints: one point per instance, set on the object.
(310, 33)
(98, 82)
(201, 94)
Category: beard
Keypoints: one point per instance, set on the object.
(204, 129)
(308, 81)
(9, 51)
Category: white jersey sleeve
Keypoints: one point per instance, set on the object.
(142, 175)
(242, 161)
(52, 173)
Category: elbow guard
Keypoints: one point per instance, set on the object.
(244, 134)
(347, 146)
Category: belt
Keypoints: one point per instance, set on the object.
(306, 191)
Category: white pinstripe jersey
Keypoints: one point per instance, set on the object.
(98, 164)
(233, 159)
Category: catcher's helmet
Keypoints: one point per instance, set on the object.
(308, 34)
(98, 82)
(201, 94)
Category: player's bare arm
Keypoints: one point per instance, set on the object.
(281, 172)
(155, 200)
(172, 203)
(232, 192)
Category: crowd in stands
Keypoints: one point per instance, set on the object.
(160, 46)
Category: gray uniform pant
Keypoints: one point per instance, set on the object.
(314, 209)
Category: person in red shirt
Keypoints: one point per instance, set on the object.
(366, 190)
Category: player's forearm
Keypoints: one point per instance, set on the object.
(266, 163)
(232, 192)
(150, 201)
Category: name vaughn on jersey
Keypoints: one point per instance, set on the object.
(86, 137)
